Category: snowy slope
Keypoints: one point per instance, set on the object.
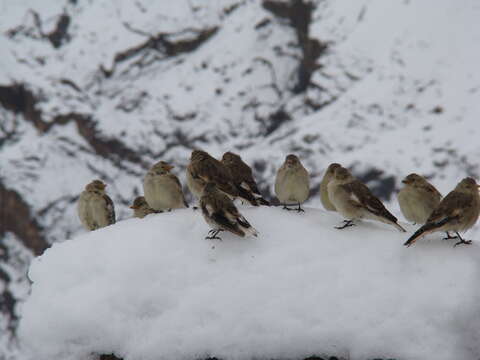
(103, 89)
(153, 288)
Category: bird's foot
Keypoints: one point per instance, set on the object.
(213, 234)
(466, 242)
(195, 207)
(299, 209)
(448, 237)
(287, 208)
(346, 223)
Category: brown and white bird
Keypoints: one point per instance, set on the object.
(221, 214)
(242, 175)
(204, 168)
(141, 208)
(458, 211)
(418, 198)
(95, 208)
(329, 173)
(162, 189)
(292, 184)
(355, 201)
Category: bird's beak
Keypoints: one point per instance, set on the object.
(169, 167)
(405, 181)
(133, 207)
(104, 186)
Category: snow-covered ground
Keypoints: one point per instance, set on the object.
(396, 91)
(153, 288)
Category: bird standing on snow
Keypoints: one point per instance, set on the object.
(418, 198)
(140, 208)
(458, 211)
(204, 168)
(162, 189)
(95, 208)
(292, 184)
(354, 200)
(220, 213)
(242, 175)
(329, 173)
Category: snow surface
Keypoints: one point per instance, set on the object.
(153, 288)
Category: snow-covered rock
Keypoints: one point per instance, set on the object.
(154, 288)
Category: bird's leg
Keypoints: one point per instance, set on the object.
(466, 242)
(213, 234)
(299, 209)
(449, 236)
(346, 223)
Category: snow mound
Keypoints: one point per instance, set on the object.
(153, 288)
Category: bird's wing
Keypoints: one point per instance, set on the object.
(452, 206)
(214, 171)
(369, 201)
(431, 189)
(110, 209)
(221, 217)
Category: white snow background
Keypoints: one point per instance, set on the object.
(153, 288)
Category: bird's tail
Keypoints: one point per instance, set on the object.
(388, 219)
(247, 196)
(425, 230)
(246, 227)
(262, 201)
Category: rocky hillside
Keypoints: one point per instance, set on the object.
(102, 89)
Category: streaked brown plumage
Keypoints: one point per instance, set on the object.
(221, 214)
(204, 168)
(242, 175)
(418, 198)
(141, 209)
(458, 211)
(292, 183)
(329, 173)
(95, 208)
(354, 200)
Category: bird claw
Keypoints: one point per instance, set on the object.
(213, 238)
(450, 237)
(347, 223)
(466, 242)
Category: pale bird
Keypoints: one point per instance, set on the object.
(355, 201)
(221, 214)
(292, 184)
(242, 175)
(162, 189)
(327, 177)
(95, 208)
(141, 208)
(458, 211)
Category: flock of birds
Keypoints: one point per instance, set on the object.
(216, 184)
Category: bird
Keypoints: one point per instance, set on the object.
(354, 200)
(141, 208)
(204, 168)
(95, 208)
(162, 189)
(458, 211)
(327, 204)
(292, 184)
(242, 175)
(221, 214)
(418, 198)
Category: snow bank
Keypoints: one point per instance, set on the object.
(155, 289)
